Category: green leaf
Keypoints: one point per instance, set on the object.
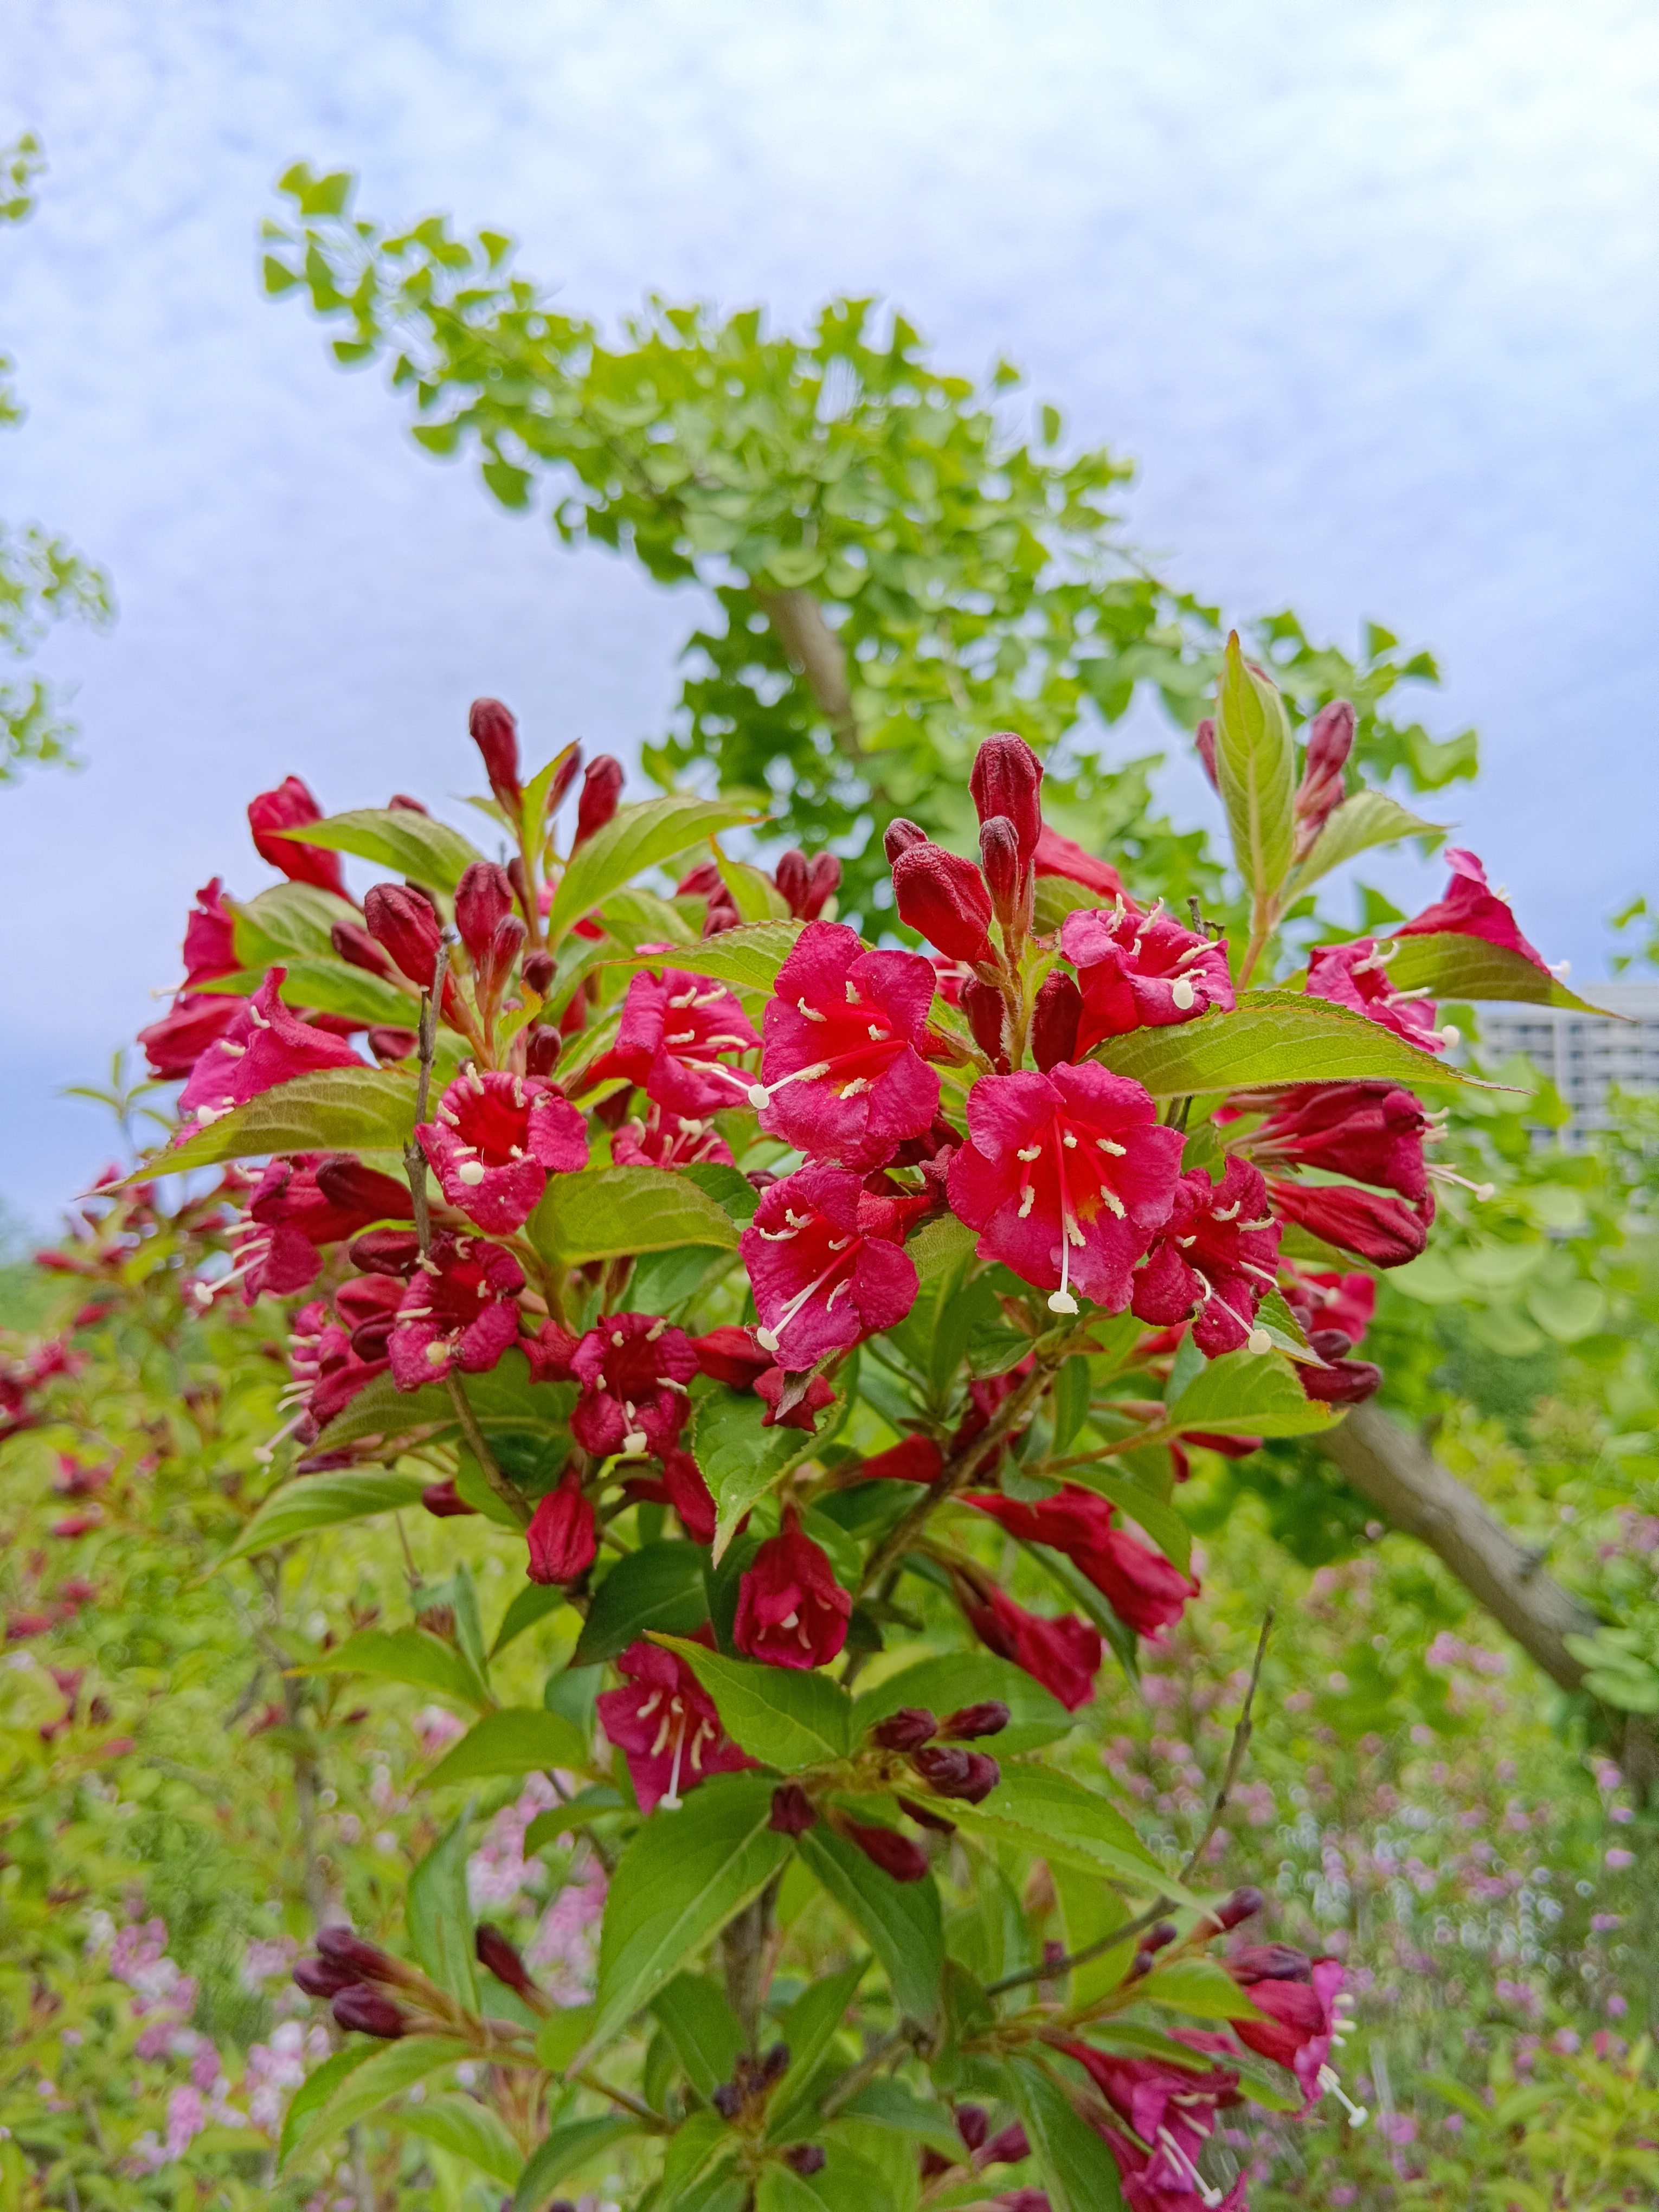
(748, 958)
(1045, 1811)
(899, 1920)
(519, 1740)
(314, 2092)
(1093, 1909)
(740, 1458)
(1274, 1036)
(563, 2032)
(700, 2152)
(889, 2103)
(1256, 766)
(466, 2129)
(1058, 896)
(1078, 2169)
(635, 838)
(382, 2074)
(405, 1655)
(939, 1246)
(1567, 1311)
(507, 1404)
(323, 1501)
(786, 1718)
(683, 1876)
(703, 2029)
(844, 2183)
(1449, 965)
(565, 2152)
(395, 837)
(1200, 1986)
(599, 1213)
(942, 1684)
(285, 918)
(1369, 818)
(441, 1917)
(726, 1186)
(1247, 1394)
(342, 1109)
(806, 2030)
(658, 1586)
(756, 896)
(1166, 1528)
(329, 987)
(532, 1603)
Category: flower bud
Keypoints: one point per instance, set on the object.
(727, 2100)
(1243, 1905)
(403, 922)
(317, 1979)
(371, 2012)
(365, 1961)
(385, 1252)
(906, 1731)
(1330, 740)
(806, 884)
(805, 2158)
(895, 1855)
(561, 1535)
(793, 1812)
(1384, 1231)
(950, 1771)
(1268, 1962)
(944, 896)
(1054, 1019)
(291, 807)
(1006, 780)
(1159, 1938)
(924, 1819)
(353, 943)
(565, 776)
(1006, 2149)
(538, 972)
(401, 803)
(498, 1957)
(999, 862)
(444, 1502)
(541, 1049)
(989, 1718)
(988, 1017)
(1204, 740)
(389, 1045)
(484, 899)
(900, 835)
(601, 789)
(496, 733)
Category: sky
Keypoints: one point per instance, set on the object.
(1367, 291)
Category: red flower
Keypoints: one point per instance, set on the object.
(1370, 1131)
(196, 1019)
(1067, 1176)
(791, 1611)
(1056, 1018)
(706, 882)
(895, 1855)
(824, 1259)
(1340, 1380)
(209, 939)
(1141, 971)
(301, 1204)
(769, 1388)
(1384, 1231)
(729, 1355)
(633, 1370)
(290, 806)
(1324, 1299)
(667, 1139)
(561, 1536)
(1356, 976)
(460, 1309)
(1063, 1654)
(945, 898)
(807, 885)
(1213, 1260)
(689, 1495)
(665, 1724)
(918, 1459)
(601, 789)
(1142, 1587)
(1303, 1999)
(674, 1027)
(1172, 2111)
(497, 1138)
(842, 1079)
(1472, 908)
(328, 1371)
(1058, 856)
(264, 1045)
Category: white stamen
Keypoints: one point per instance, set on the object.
(1452, 1035)
(1184, 996)
(1258, 1342)
(878, 1035)
(1227, 1212)
(766, 1339)
(1329, 2079)
(856, 1087)
(1193, 952)
(1117, 1151)
(472, 1173)
(633, 1444)
(1178, 2158)
(1028, 1152)
(1026, 1202)
(811, 1013)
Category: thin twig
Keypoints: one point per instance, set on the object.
(865, 2070)
(509, 1493)
(1241, 1744)
(654, 2121)
(1056, 1970)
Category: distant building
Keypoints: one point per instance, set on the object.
(1583, 1056)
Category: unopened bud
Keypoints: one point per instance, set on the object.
(317, 1979)
(538, 972)
(444, 1502)
(1243, 1905)
(1330, 740)
(805, 2158)
(499, 1957)
(564, 776)
(987, 1019)
(403, 922)
(1204, 740)
(352, 943)
(727, 2100)
(601, 789)
(291, 807)
(988, 1718)
(365, 1961)
(1006, 780)
(1006, 2149)
(895, 1855)
(950, 1771)
(563, 1537)
(389, 1045)
(541, 1049)
(401, 803)
(905, 1730)
(899, 835)
(944, 896)
(926, 1819)
(793, 1812)
(371, 2012)
(1159, 1938)
(999, 861)
(385, 1252)
(1055, 1019)
(345, 1181)
(496, 733)
(973, 2125)
(1269, 1962)
(773, 2065)
(483, 900)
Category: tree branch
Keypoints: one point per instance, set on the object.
(797, 621)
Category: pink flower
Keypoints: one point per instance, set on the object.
(497, 1138)
(1384, 1231)
(1472, 908)
(1141, 1586)
(1370, 1131)
(633, 1370)
(1213, 1260)
(823, 1259)
(1141, 971)
(1058, 856)
(561, 1536)
(791, 1610)
(1067, 1176)
(290, 806)
(665, 1724)
(667, 1139)
(1173, 2111)
(1325, 1299)
(674, 1027)
(209, 939)
(264, 1045)
(1300, 1997)
(805, 1406)
(301, 1204)
(196, 1019)
(1356, 976)
(458, 1310)
(841, 1079)
(1063, 1654)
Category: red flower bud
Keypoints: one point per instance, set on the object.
(371, 2012)
(894, 1854)
(566, 776)
(353, 943)
(918, 1459)
(601, 789)
(729, 1355)
(1243, 1905)
(538, 972)
(1006, 779)
(496, 733)
(689, 1495)
(401, 803)
(950, 1771)
(988, 1019)
(1384, 1231)
(793, 1812)
(899, 836)
(1330, 740)
(805, 2158)
(389, 1045)
(498, 1957)
(945, 897)
(1203, 738)
(386, 1252)
(290, 806)
(905, 1730)
(1268, 1962)
(806, 884)
(483, 900)
(1340, 1380)
(989, 1718)
(1054, 1019)
(345, 1181)
(403, 922)
(923, 1819)
(561, 1535)
(317, 1979)
(541, 1049)
(443, 1502)
(365, 1961)
(999, 862)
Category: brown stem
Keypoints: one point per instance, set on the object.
(743, 1954)
(509, 1493)
(1052, 1970)
(809, 642)
(1241, 1744)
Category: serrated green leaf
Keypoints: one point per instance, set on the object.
(327, 987)
(635, 838)
(939, 1246)
(786, 1718)
(658, 1586)
(1247, 1394)
(1079, 2171)
(700, 2151)
(1044, 1810)
(342, 1109)
(889, 2103)
(1368, 819)
(1273, 1037)
(1200, 1986)
(702, 2028)
(1448, 965)
(405, 1655)
(519, 1740)
(285, 918)
(382, 2074)
(740, 1458)
(441, 1917)
(727, 1188)
(747, 958)
(565, 2151)
(943, 1684)
(600, 1213)
(805, 2032)
(506, 1402)
(1256, 766)
(683, 1876)
(466, 2129)
(899, 1920)
(324, 1501)
(395, 837)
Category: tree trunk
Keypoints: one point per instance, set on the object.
(813, 646)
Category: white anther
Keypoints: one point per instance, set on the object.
(1028, 1152)
(472, 1173)
(1182, 994)
(811, 1013)
(1258, 1342)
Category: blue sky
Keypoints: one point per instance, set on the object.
(1368, 291)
